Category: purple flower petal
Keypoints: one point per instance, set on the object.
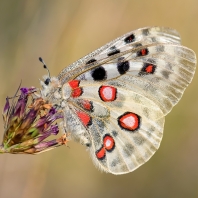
(41, 121)
(55, 117)
(52, 111)
(20, 107)
(26, 128)
(53, 129)
(24, 90)
(44, 145)
(29, 119)
(7, 106)
(41, 138)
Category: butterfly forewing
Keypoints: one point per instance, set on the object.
(143, 36)
(117, 96)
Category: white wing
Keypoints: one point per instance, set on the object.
(125, 89)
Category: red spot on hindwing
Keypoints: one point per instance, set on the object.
(107, 93)
(108, 142)
(129, 121)
(87, 105)
(85, 118)
(76, 92)
(108, 145)
(100, 154)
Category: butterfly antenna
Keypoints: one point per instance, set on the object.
(45, 66)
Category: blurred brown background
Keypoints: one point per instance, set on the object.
(61, 32)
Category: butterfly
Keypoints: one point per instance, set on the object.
(115, 99)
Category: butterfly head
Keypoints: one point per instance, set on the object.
(50, 87)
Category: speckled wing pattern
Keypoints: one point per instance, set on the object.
(121, 93)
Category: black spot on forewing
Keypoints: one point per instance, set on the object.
(123, 67)
(99, 74)
(113, 52)
(147, 69)
(91, 61)
(143, 52)
(129, 39)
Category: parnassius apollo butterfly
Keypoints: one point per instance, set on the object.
(116, 98)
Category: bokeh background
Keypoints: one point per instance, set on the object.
(61, 32)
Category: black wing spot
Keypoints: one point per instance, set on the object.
(99, 74)
(90, 61)
(143, 52)
(115, 51)
(148, 69)
(123, 67)
(129, 39)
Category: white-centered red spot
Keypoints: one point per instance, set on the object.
(84, 117)
(108, 142)
(129, 121)
(108, 145)
(107, 93)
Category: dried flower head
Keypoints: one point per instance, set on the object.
(28, 121)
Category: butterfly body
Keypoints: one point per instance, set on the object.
(115, 99)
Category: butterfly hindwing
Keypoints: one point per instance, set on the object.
(123, 129)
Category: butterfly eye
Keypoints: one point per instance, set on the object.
(47, 81)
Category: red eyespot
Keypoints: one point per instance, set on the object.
(129, 121)
(107, 93)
